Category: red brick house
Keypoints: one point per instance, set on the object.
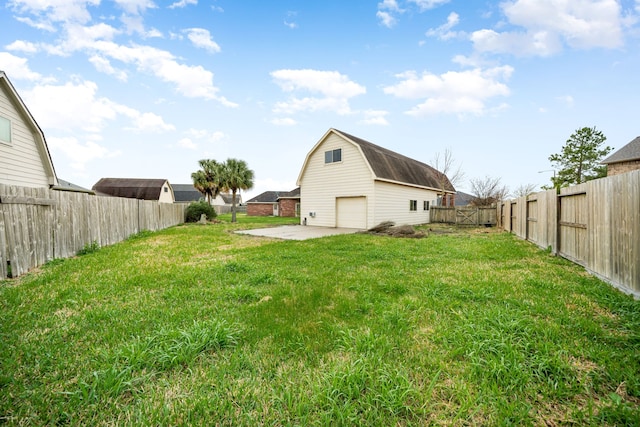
(625, 159)
(275, 203)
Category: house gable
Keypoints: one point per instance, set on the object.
(24, 156)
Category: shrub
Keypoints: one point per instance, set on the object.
(89, 248)
(195, 209)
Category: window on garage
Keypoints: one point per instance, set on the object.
(333, 156)
(413, 205)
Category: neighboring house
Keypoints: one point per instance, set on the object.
(348, 182)
(289, 203)
(135, 188)
(24, 157)
(186, 193)
(226, 199)
(275, 203)
(463, 199)
(625, 159)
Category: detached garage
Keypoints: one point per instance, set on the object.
(348, 182)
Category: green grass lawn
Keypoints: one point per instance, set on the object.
(196, 325)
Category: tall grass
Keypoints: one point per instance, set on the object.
(198, 325)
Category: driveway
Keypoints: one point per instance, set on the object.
(298, 232)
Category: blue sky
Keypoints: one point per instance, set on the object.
(141, 88)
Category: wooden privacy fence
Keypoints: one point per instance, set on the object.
(595, 224)
(39, 224)
(464, 215)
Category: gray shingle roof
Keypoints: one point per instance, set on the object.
(629, 152)
(69, 186)
(228, 198)
(266, 197)
(273, 196)
(293, 194)
(186, 193)
(387, 164)
(132, 188)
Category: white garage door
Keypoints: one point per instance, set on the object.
(351, 212)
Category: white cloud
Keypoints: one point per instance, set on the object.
(97, 41)
(464, 92)
(542, 43)
(18, 69)
(386, 19)
(284, 121)
(335, 90)
(389, 10)
(183, 3)
(104, 66)
(22, 46)
(145, 122)
(386, 11)
(375, 117)
(187, 143)
(133, 24)
(75, 106)
(290, 20)
(79, 153)
(444, 32)
(429, 4)
(81, 37)
(190, 81)
(547, 25)
(389, 5)
(49, 11)
(135, 7)
(217, 136)
(201, 38)
(39, 25)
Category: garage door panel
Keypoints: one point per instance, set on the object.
(351, 212)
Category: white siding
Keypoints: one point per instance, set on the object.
(392, 204)
(321, 184)
(20, 162)
(166, 194)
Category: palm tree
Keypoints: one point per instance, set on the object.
(236, 175)
(207, 179)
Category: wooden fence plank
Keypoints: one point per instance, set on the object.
(595, 224)
(3, 247)
(38, 225)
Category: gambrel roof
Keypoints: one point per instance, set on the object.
(390, 166)
(132, 188)
(628, 153)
